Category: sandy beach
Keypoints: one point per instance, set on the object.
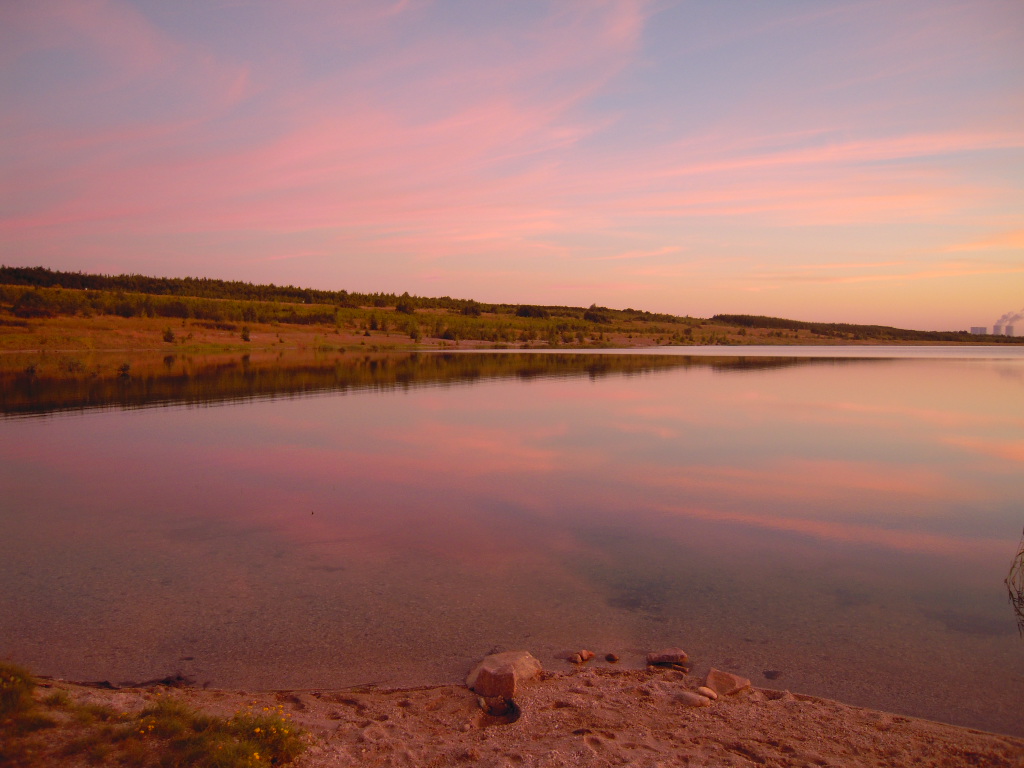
(592, 716)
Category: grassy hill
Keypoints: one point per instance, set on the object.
(43, 308)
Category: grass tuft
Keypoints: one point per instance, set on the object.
(16, 686)
(166, 734)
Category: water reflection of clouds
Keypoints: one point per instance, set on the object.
(931, 416)
(851, 533)
(1008, 450)
(812, 482)
(477, 450)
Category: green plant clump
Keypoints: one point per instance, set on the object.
(166, 734)
(16, 686)
(195, 739)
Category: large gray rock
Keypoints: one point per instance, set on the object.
(725, 683)
(500, 673)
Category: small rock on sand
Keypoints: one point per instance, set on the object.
(705, 691)
(495, 705)
(668, 656)
(586, 655)
(725, 683)
(611, 658)
(691, 699)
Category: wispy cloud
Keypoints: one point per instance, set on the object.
(872, 274)
(1009, 241)
(644, 254)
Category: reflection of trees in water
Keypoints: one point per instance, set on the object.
(1015, 585)
(71, 384)
(740, 364)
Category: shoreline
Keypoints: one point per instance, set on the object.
(591, 715)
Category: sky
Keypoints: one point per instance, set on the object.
(857, 161)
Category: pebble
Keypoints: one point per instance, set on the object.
(495, 705)
(725, 683)
(668, 656)
(611, 658)
(705, 691)
(586, 655)
(691, 699)
(576, 659)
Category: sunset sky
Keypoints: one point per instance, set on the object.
(857, 161)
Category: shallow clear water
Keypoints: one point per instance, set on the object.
(843, 524)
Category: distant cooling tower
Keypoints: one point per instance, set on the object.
(997, 330)
(1008, 330)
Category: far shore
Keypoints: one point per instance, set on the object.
(77, 335)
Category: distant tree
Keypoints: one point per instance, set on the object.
(405, 304)
(527, 310)
(596, 314)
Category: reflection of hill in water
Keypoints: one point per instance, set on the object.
(65, 384)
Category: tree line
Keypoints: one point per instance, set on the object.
(850, 331)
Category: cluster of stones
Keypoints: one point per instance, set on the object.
(717, 683)
(496, 678)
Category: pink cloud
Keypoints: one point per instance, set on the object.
(900, 147)
(947, 269)
(369, 163)
(1013, 240)
(641, 254)
(109, 29)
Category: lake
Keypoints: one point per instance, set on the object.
(833, 521)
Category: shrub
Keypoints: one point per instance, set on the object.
(16, 686)
(597, 314)
(32, 304)
(527, 310)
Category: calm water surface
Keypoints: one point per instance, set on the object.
(844, 525)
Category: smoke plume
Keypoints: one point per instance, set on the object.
(1010, 318)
